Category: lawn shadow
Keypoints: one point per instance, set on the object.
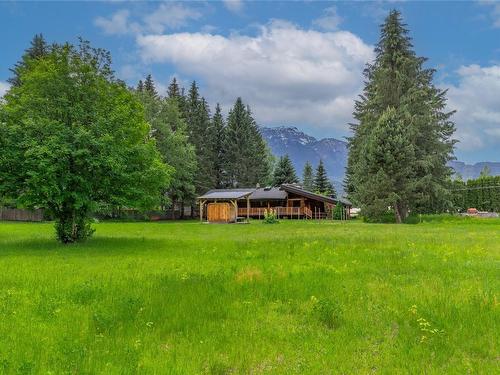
(94, 246)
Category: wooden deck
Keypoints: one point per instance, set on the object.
(290, 212)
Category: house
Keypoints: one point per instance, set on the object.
(289, 200)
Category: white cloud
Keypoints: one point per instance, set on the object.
(118, 23)
(288, 75)
(495, 12)
(4, 87)
(476, 99)
(330, 20)
(171, 16)
(166, 16)
(235, 6)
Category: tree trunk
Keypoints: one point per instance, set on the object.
(173, 209)
(401, 212)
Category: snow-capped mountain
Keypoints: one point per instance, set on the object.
(302, 147)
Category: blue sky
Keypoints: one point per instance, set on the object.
(294, 63)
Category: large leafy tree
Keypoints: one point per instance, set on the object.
(169, 130)
(399, 93)
(246, 159)
(75, 137)
(322, 184)
(284, 172)
(38, 48)
(308, 177)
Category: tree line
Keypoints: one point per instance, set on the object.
(317, 181)
(482, 193)
(76, 140)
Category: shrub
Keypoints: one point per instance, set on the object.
(385, 218)
(412, 219)
(338, 212)
(328, 312)
(270, 216)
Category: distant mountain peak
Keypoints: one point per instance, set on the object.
(302, 147)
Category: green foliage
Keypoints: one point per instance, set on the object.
(327, 311)
(74, 137)
(284, 172)
(307, 177)
(482, 193)
(170, 132)
(270, 216)
(38, 49)
(402, 139)
(246, 154)
(338, 212)
(219, 131)
(322, 184)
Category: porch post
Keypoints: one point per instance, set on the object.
(248, 207)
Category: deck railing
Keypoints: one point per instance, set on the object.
(280, 211)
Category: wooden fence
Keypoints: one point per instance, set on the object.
(15, 214)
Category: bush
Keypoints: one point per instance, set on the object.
(385, 218)
(412, 219)
(338, 212)
(270, 216)
(328, 312)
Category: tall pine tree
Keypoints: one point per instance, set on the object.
(37, 49)
(399, 94)
(149, 86)
(284, 173)
(246, 157)
(218, 128)
(307, 177)
(322, 184)
(201, 136)
(170, 132)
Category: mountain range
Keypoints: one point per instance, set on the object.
(302, 147)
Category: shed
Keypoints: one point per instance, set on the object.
(223, 204)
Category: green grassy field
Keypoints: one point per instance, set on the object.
(297, 297)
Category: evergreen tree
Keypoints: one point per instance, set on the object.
(201, 136)
(173, 90)
(149, 86)
(246, 155)
(170, 132)
(307, 177)
(218, 127)
(37, 49)
(284, 173)
(322, 184)
(399, 93)
(140, 86)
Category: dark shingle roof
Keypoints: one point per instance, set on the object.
(309, 194)
(268, 194)
(227, 194)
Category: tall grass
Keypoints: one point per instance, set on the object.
(300, 297)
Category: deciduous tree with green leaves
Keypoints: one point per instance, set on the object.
(74, 138)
